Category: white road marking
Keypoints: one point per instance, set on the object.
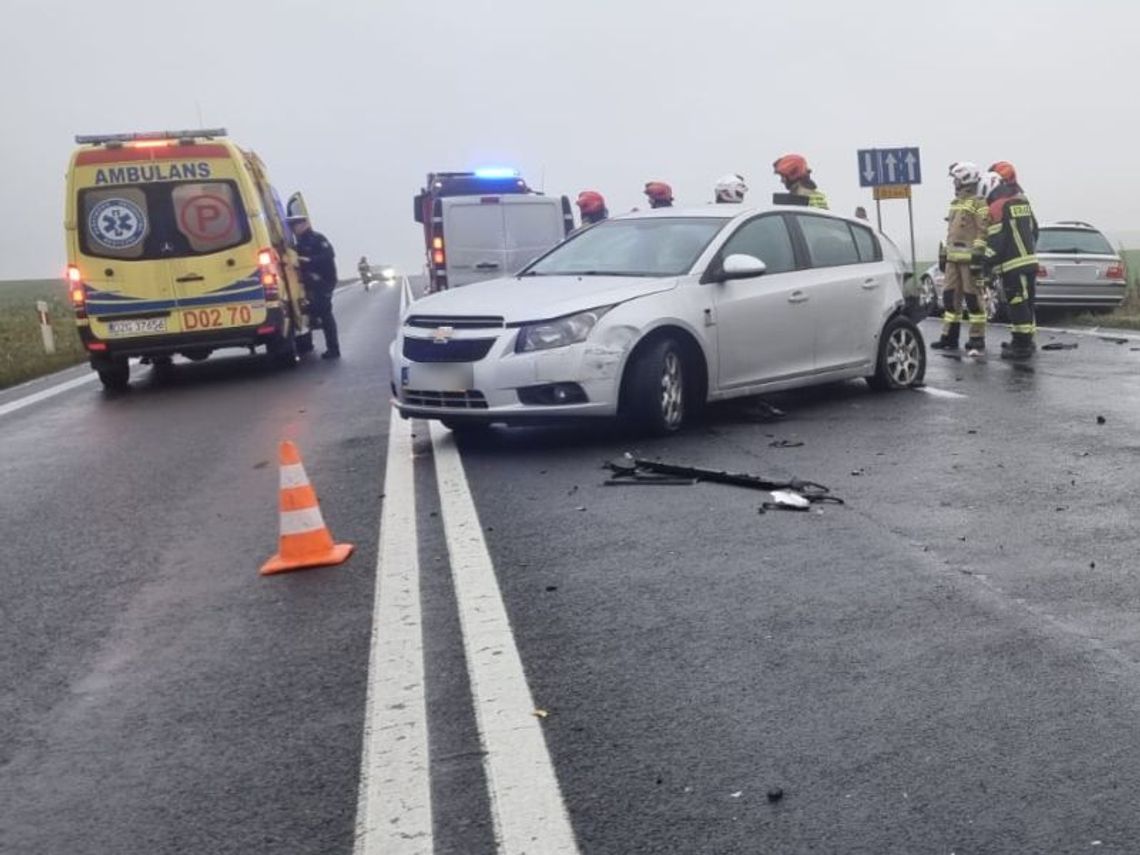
(393, 813)
(940, 393)
(406, 296)
(526, 802)
(44, 394)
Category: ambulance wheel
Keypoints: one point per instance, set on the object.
(283, 350)
(115, 375)
(305, 343)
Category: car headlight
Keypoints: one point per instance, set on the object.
(388, 273)
(559, 332)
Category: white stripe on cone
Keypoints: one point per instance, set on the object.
(293, 475)
(302, 521)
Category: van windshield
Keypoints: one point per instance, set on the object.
(635, 247)
(161, 220)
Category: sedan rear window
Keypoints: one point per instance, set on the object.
(1074, 240)
(658, 246)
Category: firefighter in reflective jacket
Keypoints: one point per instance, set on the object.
(965, 256)
(1011, 247)
(794, 172)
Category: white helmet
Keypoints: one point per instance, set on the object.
(988, 184)
(965, 173)
(731, 188)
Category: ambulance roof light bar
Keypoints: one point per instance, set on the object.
(99, 139)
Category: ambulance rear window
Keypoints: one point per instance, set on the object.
(162, 220)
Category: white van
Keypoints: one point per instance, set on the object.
(483, 226)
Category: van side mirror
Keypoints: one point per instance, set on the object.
(418, 208)
(741, 266)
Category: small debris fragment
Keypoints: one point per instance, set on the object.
(1060, 345)
(856, 472)
(775, 794)
(551, 587)
(971, 430)
(540, 714)
(1112, 340)
(573, 490)
(785, 443)
(736, 795)
(580, 508)
(1092, 565)
(261, 464)
(1101, 420)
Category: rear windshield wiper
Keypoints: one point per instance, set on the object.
(1069, 250)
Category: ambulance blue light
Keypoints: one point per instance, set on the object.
(496, 172)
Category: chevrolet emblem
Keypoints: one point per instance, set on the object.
(442, 335)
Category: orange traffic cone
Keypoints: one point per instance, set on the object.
(305, 540)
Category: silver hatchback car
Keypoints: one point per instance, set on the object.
(1078, 268)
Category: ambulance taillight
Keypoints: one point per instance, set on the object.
(267, 270)
(76, 290)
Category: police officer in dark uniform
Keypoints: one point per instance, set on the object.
(318, 272)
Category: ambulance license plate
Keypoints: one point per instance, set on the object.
(137, 326)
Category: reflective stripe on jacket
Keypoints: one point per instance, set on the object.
(1011, 240)
(966, 227)
(815, 197)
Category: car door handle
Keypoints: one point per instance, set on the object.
(870, 284)
(190, 277)
(797, 297)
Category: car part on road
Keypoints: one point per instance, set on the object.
(1060, 345)
(1112, 340)
(810, 490)
(785, 443)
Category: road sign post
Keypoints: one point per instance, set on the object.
(890, 173)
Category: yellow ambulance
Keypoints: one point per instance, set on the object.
(177, 244)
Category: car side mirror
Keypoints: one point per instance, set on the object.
(741, 266)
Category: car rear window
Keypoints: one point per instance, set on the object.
(866, 244)
(829, 241)
(1074, 240)
(162, 220)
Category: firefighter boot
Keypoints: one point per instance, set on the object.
(1020, 349)
(976, 346)
(949, 340)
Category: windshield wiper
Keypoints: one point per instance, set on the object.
(1069, 250)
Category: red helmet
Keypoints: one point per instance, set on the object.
(658, 191)
(1005, 169)
(591, 202)
(792, 167)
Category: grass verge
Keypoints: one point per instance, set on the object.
(22, 354)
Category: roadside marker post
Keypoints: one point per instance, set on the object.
(891, 172)
(45, 327)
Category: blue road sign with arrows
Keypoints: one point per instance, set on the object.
(878, 166)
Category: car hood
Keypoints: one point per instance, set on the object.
(536, 298)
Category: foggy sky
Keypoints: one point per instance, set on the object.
(353, 101)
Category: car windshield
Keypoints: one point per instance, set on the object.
(1073, 240)
(657, 246)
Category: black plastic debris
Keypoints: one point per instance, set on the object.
(1060, 345)
(775, 794)
(1113, 339)
(1100, 420)
(785, 443)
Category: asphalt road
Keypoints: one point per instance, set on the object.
(950, 662)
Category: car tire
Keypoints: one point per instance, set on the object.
(115, 375)
(658, 389)
(162, 367)
(901, 362)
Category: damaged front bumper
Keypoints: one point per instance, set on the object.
(577, 381)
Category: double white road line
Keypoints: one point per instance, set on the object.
(394, 811)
